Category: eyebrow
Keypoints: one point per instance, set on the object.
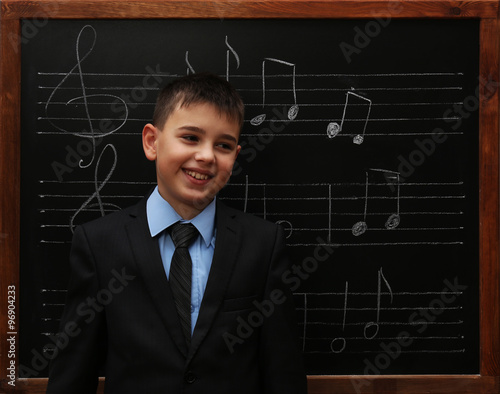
(196, 129)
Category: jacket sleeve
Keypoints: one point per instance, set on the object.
(80, 349)
(281, 360)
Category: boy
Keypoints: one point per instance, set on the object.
(143, 336)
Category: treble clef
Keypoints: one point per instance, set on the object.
(98, 187)
(77, 69)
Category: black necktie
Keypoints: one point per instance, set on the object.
(180, 273)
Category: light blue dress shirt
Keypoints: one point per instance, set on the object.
(160, 216)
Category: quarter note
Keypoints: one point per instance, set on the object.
(338, 344)
(293, 110)
(333, 128)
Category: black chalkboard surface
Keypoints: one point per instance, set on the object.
(361, 138)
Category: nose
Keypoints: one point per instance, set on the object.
(205, 153)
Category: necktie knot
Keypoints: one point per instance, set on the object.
(183, 234)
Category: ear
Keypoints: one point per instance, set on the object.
(149, 137)
(238, 148)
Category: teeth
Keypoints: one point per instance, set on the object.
(197, 175)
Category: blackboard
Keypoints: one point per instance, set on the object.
(368, 155)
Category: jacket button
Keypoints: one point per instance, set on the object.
(190, 377)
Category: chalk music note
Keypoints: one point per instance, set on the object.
(361, 226)
(263, 198)
(237, 58)
(246, 195)
(293, 110)
(190, 68)
(394, 219)
(375, 324)
(94, 133)
(98, 187)
(333, 128)
(338, 344)
(287, 225)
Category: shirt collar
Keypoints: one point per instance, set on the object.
(161, 215)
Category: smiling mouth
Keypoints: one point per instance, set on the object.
(197, 175)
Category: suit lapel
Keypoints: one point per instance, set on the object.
(226, 248)
(147, 256)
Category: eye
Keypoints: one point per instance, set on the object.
(190, 138)
(225, 146)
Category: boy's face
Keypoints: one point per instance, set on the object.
(194, 153)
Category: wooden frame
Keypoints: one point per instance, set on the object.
(12, 12)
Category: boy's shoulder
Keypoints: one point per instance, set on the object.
(119, 219)
(113, 220)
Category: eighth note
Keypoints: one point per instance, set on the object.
(294, 109)
(333, 128)
(361, 226)
(394, 219)
(237, 58)
(190, 69)
(379, 294)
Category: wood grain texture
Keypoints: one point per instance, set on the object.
(10, 79)
(469, 384)
(489, 201)
(10, 76)
(251, 9)
(39, 386)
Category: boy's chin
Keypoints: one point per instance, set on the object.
(201, 202)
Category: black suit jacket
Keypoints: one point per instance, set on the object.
(120, 314)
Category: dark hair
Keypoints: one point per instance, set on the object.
(196, 89)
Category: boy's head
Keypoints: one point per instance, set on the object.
(194, 140)
(196, 89)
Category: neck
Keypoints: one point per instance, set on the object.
(188, 212)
